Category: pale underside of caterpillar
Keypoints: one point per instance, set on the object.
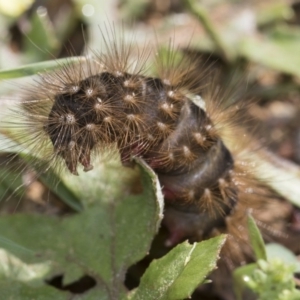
(82, 110)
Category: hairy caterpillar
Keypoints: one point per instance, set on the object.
(110, 101)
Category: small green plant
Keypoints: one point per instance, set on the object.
(270, 277)
(273, 279)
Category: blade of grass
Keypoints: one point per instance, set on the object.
(33, 69)
(54, 183)
(256, 239)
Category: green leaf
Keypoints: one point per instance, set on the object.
(94, 294)
(12, 246)
(14, 290)
(278, 51)
(271, 279)
(256, 239)
(12, 267)
(177, 274)
(33, 69)
(58, 187)
(241, 276)
(11, 178)
(102, 241)
(274, 12)
(41, 39)
(10, 183)
(275, 251)
(283, 175)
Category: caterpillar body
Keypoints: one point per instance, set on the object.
(150, 119)
(81, 110)
(144, 116)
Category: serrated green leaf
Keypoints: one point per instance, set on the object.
(256, 239)
(102, 241)
(177, 274)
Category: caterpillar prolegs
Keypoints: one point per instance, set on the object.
(109, 101)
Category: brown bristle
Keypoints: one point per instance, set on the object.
(175, 96)
(169, 109)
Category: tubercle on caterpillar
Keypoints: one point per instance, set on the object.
(109, 101)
